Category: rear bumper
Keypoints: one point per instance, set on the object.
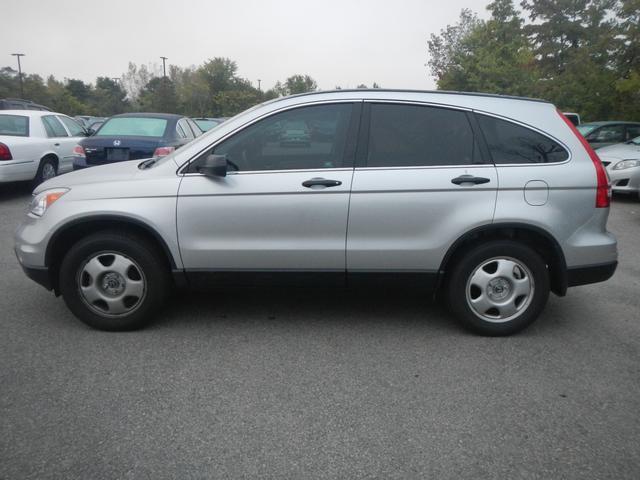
(590, 274)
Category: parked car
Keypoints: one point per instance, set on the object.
(403, 192)
(573, 117)
(20, 104)
(36, 145)
(602, 134)
(133, 136)
(623, 166)
(206, 123)
(94, 125)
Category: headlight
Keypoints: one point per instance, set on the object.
(626, 164)
(45, 199)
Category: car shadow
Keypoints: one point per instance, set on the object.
(14, 190)
(283, 307)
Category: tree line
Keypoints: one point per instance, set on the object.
(583, 55)
(211, 89)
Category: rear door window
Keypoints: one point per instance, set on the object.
(415, 135)
(74, 128)
(511, 144)
(53, 127)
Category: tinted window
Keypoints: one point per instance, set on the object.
(14, 125)
(608, 133)
(309, 137)
(133, 126)
(511, 143)
(53, 127)
(73, 127)
(633, 131)
(412, 135)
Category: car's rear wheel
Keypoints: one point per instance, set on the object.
(113, 281)
(498, 288)
(47, 169)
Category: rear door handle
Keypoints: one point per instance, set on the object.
(321, 182)
(469, 179)
(56, 144)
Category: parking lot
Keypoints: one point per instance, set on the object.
(320, 384)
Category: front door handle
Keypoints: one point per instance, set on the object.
(321, 182)
(56, 144)
(469, 179)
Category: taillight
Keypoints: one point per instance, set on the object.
(78, 151)
(5, 153)
(603, 190)
(163, 151)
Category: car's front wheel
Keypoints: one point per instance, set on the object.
(498, 288)
(113, 281)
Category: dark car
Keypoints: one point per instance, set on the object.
(133, 136)
(20, 104)
(602, 134)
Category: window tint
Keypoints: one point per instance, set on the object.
(308, 137)
(73, 127)
(53, 127)
(633, 131)
(133, 126)
(14, 125)
(412, 135)
(511, 143)
(608, 133)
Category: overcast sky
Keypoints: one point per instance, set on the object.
(336, 42)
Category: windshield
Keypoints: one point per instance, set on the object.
(206, 125)
(133, 127)
(14, 125)
(586, 129)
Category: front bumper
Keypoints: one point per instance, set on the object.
(590, 274)
(625, 181)
(39, 275)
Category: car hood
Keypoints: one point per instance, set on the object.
(104, 173)
(620, 150)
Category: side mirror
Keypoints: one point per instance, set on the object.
(214, 166)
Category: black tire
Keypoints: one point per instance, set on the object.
(45, 164)
(147, 266)
(525, 265)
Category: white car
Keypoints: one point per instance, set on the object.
(36, 145)
(622, 162)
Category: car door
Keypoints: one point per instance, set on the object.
(60, 141)
(76, 133)
(282, 209)
(421, 181)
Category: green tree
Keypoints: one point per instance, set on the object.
(159, 95)
(300, 84)
(108, 98)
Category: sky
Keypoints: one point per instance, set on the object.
(338, 43)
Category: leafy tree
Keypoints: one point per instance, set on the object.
(108, 98)
(159, 95)
(300, 84)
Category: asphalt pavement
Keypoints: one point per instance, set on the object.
(320, 384)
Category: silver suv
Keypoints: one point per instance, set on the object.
(492, 201)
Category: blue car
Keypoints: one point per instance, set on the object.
(133, 136)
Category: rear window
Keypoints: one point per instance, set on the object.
(206, 125)
(133, 127)
(14, 125)
(510, 143)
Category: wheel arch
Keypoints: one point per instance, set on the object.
(72, 231)
(533, 236)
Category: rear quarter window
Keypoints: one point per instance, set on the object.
(510, 143)
(14, 125)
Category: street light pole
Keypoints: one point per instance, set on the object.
(18, 55)
(259, 84)
(164, 69)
